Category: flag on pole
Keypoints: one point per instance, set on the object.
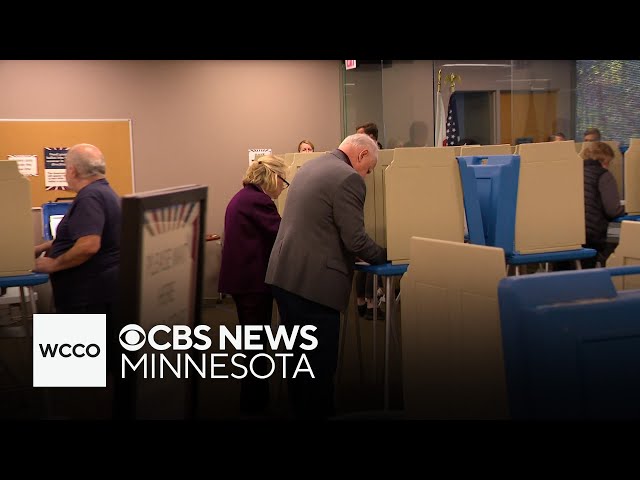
(441, 122)
(453, 132)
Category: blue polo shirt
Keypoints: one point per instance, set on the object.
(96, 210)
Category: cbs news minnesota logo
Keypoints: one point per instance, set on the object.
(69, 350)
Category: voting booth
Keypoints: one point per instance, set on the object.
(627, 253)
(16, 243)
(452, 365)
(52, 214)
(632, 177)
(571, 345)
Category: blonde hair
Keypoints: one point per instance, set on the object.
(308, 143)
(598, 151)
(263, 172)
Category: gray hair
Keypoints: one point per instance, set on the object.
(361, 140)
(87, 159)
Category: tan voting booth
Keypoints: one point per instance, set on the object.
(423, 198)
(627, 253)
(452, 363)
(550, 208)
(632, 177)
(374, 214)
(16, 240)
(469, 150)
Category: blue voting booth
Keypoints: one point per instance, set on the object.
(52, 213)
(571, 345)
(496, 189)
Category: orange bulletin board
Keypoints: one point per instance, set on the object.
(31, 137)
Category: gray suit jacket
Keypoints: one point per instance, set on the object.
(322, 233)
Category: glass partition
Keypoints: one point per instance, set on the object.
(497, 101)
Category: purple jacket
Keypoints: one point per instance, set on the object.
(251, 224)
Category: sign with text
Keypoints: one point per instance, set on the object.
(257, 153)
(161, 286)
(54, 168)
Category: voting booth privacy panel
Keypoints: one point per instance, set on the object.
(466, 150)
(161, 270)
(627, 253)
(16, 240)
(571, 345)
(452, 364)
(632, 177)
(550, 203)
(423, 198)
(374, 213)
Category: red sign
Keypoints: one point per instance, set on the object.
(350, 64)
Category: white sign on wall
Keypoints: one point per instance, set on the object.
(257, 153)
(27, 164)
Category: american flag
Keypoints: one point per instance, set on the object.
(453, 132)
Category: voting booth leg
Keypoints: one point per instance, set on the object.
(375, 320)
(388, 317)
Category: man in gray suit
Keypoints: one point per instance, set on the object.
(311, 265)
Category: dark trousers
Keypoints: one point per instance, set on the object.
(603, 252)
(311, 398)
(254, 309)
(364, 284)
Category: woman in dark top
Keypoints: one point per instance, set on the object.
(250, 227)
(601, 201)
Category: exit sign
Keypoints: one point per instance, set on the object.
(350, 64)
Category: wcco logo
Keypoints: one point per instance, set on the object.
(69, 350)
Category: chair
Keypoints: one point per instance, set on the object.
(571, 345)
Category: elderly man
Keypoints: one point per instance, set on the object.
(311, 265)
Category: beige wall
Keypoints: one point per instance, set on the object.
(192, 121)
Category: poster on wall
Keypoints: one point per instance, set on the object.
(27, 164)
(257, 153)
(54, 169)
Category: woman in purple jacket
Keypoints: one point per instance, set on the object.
(250, 227)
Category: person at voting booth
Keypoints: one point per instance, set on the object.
(84, 258)
(311, 265)
(601, 200)
(305, 146)
(364, 281)
(250, 226)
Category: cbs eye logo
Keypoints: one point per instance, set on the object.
(132, 337)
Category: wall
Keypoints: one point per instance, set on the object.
(192, 121)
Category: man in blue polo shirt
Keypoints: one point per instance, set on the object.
(83, 260)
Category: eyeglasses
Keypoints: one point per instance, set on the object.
(286, 184)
